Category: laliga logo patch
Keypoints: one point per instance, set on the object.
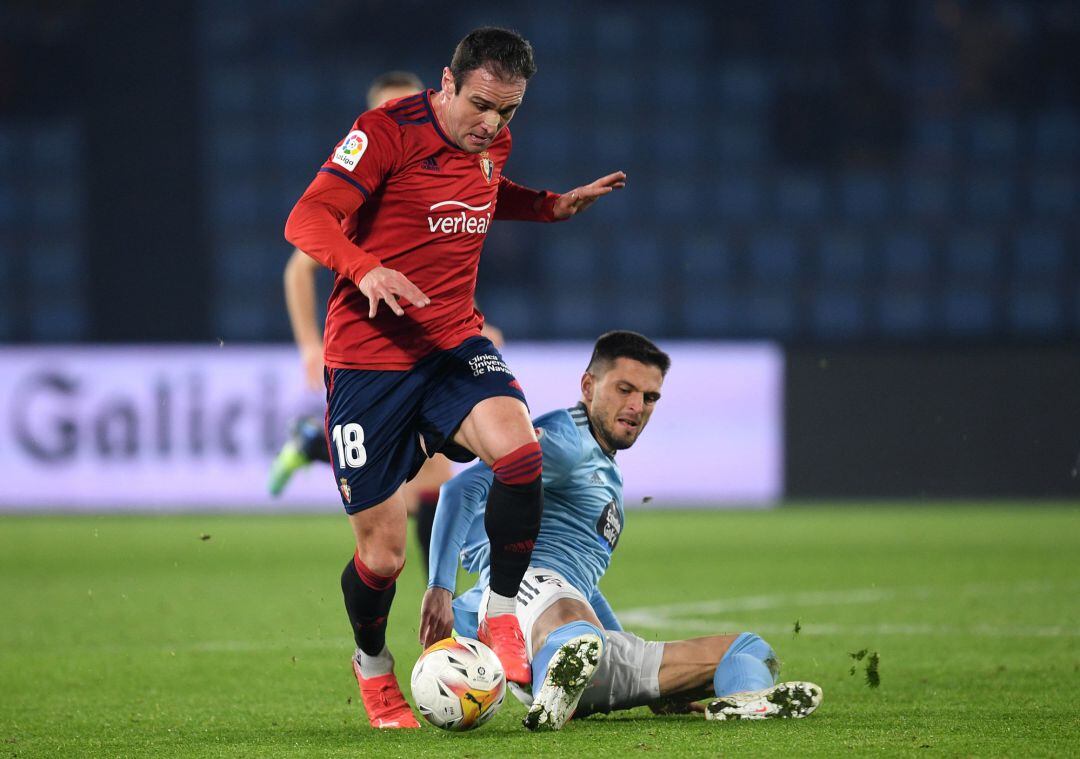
(350, 151)
(346, 491)
(487, 166)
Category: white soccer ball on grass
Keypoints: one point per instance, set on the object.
(458, 684)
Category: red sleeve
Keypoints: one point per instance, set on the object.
(518, 203)
(358, 167)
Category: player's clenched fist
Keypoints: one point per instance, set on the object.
(577, 200)
(383, 284)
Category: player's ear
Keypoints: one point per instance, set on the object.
(587, 382)
(448, 82)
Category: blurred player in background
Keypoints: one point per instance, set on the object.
(307, 438)
(401, 210)
(576, 646)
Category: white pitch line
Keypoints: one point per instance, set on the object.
(694, 615)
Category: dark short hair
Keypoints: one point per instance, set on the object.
(625, 344)
(505, 53)
(394, 79)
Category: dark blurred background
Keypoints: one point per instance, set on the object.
(813, 172)
(889, 190)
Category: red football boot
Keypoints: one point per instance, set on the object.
(384, 702)
(502, 634)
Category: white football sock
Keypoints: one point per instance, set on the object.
(500, 605)
(373, 666)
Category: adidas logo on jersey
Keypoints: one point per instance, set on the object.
(596, 479)
(430, 164)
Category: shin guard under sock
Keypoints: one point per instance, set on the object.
(512, 516)
(367, 601)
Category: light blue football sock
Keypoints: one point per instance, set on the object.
(555, 639)
(747, 665)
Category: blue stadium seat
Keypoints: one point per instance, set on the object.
(990, 196)
(235, 148)
(933, 138)
(10, 205)
(969, 312)
(740, 197)
(770, 312)
(993, 138)
(708, 312)
(706, 262)
(571, 313)
(801, 197)
(739, 142)
(575, 262)
(57, 261)
(679, 86)
(774, 257)
(839, 313)
(616, 34)
(57, 317)
(615, 89)
(974, 254)
(928, 195)
(681, 31)
(907, 256)
(676, 201)
(1053, 193)
(865, 195)
(1057, 134)
(232, 89)
(842, 257)
(904, 313)
(1039, 253)
(744, 87)
(1036, 311)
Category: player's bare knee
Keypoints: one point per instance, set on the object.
(383, 560)
(562, 612)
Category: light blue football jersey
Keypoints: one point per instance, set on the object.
(580, 526)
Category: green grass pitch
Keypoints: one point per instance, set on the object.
(224, 636)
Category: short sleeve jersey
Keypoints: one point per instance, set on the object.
(427, 208)
(583, 505)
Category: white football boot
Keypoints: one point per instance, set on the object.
(568, 674)
(792, 700)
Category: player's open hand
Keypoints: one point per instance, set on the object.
(436, 616)
(382, 284)
(577, 200)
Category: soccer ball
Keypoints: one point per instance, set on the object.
(458, 684)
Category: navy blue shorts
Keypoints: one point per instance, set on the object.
(375, 419)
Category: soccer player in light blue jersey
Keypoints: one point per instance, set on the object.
(581, 657)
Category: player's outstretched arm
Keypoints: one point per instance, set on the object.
(578, 199)
(300, 303)
(461, 504)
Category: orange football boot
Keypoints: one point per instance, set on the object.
(384, 702)
(502, 634)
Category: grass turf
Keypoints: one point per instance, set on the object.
(135, 636)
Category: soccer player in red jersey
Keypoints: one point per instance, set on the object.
(307, 441)
(401, 210)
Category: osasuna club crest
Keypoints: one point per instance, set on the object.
(345, 489)
(487, 166)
